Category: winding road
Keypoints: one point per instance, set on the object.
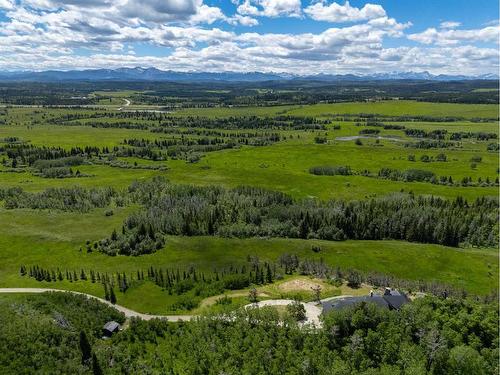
(313, 311)
(127, 312)
(127, 103)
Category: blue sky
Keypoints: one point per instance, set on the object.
(294, 36)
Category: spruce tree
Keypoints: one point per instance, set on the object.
(96, 368)
(112, 296)
(85, 348)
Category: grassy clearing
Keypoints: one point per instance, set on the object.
(389, 108)
(52, 239)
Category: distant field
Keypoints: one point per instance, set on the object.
(282, 166)
(401, 108)
(388, 108)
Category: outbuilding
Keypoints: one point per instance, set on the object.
(110, 328)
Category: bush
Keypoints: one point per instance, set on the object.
(441, 157)
(329, 170)
(354, 279)
(185, 303)
(297, 311)
(234, 282)
(320, 140)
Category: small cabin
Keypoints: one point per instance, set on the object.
(110, 328)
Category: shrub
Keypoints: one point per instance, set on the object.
(329, 170)
(354, 279)
(297, 311)
(320, 140)
(441, 157)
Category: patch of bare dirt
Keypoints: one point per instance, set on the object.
(298, 284)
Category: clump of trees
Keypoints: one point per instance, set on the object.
(410, 175)
(328, 170)
(420, 133)
(66, 199)
(133, 240)
(369, 131)
(428, 144)
(53, 333)
(249, 212)
(430, 335)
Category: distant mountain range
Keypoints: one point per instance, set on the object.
(153, 74)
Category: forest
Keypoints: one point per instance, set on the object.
(203, 94)
(61, 333)
(248, 212)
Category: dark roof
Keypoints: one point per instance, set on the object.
(392, 301)
(396, 301)
(111, 326)
(340, 303)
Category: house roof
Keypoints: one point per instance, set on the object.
(111, 326)
(394, 300)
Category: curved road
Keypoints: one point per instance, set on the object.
(127, 103)
(127, 312)
(313, 311)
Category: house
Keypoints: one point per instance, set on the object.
(390, 299)
(110, 328)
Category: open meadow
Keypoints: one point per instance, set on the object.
(344, 152)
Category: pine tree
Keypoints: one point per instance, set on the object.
(96, 368)
(269, 275)
(85, 348)
(106, 291)
(112, 296)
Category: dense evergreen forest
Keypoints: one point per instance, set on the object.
(307, 91)
(248, 212)
(253, 212)
(60, 333)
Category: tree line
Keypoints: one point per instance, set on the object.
(250, 212)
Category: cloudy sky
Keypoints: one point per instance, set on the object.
(295, 36)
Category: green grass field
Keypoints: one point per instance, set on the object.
(52, 239)
(283, 166)
(389, 108)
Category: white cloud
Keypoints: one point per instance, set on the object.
(7, 4)
(207, 15)
(449, 25)
(334, 12)
(238, 19)
(446, 37)
(270, 8)
(159, 10)
(48, 33)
